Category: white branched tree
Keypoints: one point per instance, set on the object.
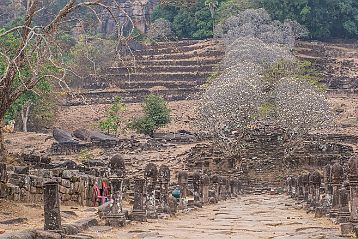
(258, 23)
(261, 84)
(36, 48)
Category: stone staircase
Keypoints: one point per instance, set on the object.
(337, 61)
(174, 70)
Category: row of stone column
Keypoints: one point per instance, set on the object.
(334, 194)
(152, 194)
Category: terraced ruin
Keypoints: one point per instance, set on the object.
(177, 71)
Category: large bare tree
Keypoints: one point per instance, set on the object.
(37, 47)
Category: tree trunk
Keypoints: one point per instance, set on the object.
(25, 111)
(2, 146)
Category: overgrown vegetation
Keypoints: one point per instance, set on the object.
(324, 18)
(156, 115)
(113, 120)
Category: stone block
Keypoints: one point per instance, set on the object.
(66, 183)
(346, 229)
(21, 170)
(47, 235)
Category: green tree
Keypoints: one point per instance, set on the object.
(113, 120)
(324, 19)
(156, 115)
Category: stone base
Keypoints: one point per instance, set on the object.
(115, 220)
(343, 217)
(346, 229)
(152, 215)
(139, 216)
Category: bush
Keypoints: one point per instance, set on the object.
(113, 120)
(156, 115)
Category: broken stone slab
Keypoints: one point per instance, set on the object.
(100, 229)
(78, 237)
(62, 136)
(92, 136)
(40, 234)
(19, 235)
(14, 221)
(84, 224)
(21, 170)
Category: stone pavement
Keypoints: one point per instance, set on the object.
(251, 217)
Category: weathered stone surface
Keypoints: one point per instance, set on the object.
(62, 136)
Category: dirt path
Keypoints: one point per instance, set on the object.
(248, 217)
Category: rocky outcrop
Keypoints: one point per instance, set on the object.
(135, 12)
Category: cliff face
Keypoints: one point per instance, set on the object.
(135, 13)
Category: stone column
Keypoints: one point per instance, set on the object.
(300, 195)
(215, 188)
(288, 186)
(52, 207)
(3, 173)
(139, 212)
(343, 213)
(337, 180)
(328, 195)
(353, 187)
(294, 189)
(183, 183)
(315, 180)
(151, 176)
(115, 216)
(164, 180)
(305, 181)
(205, 182)
(233, 187)
(196, 187)
(222, 188)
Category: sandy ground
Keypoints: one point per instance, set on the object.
(248, 217)
(31, 216)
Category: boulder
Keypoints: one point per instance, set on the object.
(62, 136)
(93, 136)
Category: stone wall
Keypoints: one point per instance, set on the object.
(24, 185)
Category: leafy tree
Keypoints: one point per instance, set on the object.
(184, 23)
(324, 19)
(156, 115)
(113, 119)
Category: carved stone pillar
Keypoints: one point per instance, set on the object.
(164, 180)
(196, 187)
(116, 217)
(222, 188)
(337, 174)
(353, 187)
(305, 181)
(151, 176)
(52, 207)
(205, 182)
(344, 213)
(315, 180)
(139, 212)
(294, 189)
(183, 183)
(300, 195)
(3, 173)
(214, 188)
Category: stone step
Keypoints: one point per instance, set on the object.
(161, 68)
(177, 84)
(176, 56)
(178, 62)
(129, 96)
(157, 49)
(114, 80)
